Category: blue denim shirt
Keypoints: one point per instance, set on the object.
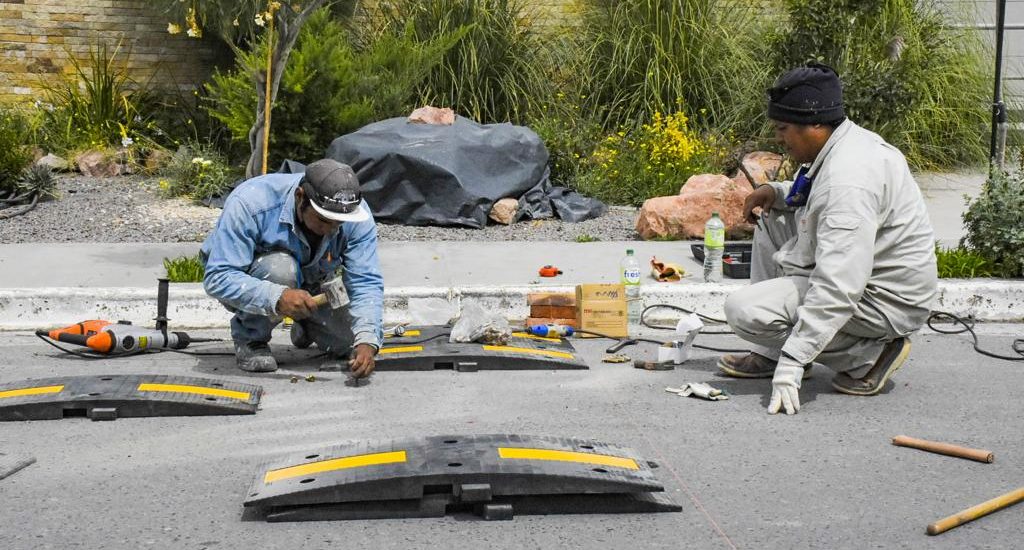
(259, 217)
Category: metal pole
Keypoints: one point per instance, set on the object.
(998, 141)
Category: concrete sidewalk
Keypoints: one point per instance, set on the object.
(54, 284)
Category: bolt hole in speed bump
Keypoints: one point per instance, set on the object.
(109, 397)
(491, 476)
(427, 348)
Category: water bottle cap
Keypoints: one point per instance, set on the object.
(629, 251)
(714, 214)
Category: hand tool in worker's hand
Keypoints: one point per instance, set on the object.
(943, 448)
(332, 291)
(119, 337)
(549, 271)
(975, 512)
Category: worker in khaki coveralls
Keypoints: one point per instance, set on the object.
(844, 257)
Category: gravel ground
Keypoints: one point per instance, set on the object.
(130, 209)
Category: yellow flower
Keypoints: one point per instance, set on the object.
(173, 28)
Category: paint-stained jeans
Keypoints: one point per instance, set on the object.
(330, 329)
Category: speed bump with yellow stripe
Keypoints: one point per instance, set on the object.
(495, 476)
(427, 348)
(112, 396)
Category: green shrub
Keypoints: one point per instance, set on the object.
(647, 56)
(919, 82)
(587, 238)
(961, 263)
(494, 73)
(329, 87)
(185, 269)
(631, 166)
(570, 137)
(99, 106)
(199, 172)
(994, 222)
(15, 150)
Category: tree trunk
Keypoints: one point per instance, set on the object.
(287, 31)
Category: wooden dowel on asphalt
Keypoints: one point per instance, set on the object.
(975, 512)
(944, 448)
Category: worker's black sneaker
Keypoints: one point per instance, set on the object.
(254, 357)
(751, 365)
(300, 336)
(893, 355)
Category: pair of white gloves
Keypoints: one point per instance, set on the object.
(786, 386)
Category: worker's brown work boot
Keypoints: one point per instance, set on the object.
(751, 365)
(893, 355)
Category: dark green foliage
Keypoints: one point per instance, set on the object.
(329, 87)
(15, 153)
(909, 75)
(494, 74)
(995, 223)
(647, 56)
(99, 106)
(198, 171)
(38, 180)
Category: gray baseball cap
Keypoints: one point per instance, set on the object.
(333, 190)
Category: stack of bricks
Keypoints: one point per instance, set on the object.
(551, 308)
(37, 36)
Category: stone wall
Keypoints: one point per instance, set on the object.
(37, 36)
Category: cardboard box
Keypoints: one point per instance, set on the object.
(534, 321)
(553, 312)
(602, 308)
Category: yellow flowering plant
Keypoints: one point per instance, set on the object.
(630, 166)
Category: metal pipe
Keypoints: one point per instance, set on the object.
(998, 107)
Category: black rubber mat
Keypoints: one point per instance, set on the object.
(112, 396)
(427, 348)
(495, 476)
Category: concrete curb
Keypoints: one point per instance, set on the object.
(994, 300)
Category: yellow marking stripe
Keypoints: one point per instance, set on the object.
(534, 337)
(406, 349)
(567, 456)
(198, 390)
(406, 334)
(511, 349)
(357, 461)
(31, 391)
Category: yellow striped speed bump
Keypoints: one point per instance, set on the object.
(497, 476)
(112, 396)
(428, 348)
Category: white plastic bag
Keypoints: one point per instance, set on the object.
(477, 325)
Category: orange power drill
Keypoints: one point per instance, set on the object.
(116, 338)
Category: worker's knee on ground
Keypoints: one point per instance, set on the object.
(277, 267)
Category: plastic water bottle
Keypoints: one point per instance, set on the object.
(714, 247)
(629, 269)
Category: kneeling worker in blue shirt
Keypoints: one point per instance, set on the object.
(282, 235)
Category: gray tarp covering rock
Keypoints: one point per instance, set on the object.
(422, 174)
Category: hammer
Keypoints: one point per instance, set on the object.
(332, 291)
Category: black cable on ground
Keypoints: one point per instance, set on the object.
(13, 209)
(968, 327)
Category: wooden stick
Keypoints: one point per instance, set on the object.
(975, 512)
(944, 448)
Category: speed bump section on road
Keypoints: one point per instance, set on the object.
(112, 396)
(427, 348)
(495, 476)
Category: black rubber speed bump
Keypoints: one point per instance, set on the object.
(494, 476)
(112, 396)
(427, 348)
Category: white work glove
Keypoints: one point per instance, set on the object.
(786, 386)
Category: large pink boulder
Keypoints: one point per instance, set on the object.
(761, 165)
(683, 216)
